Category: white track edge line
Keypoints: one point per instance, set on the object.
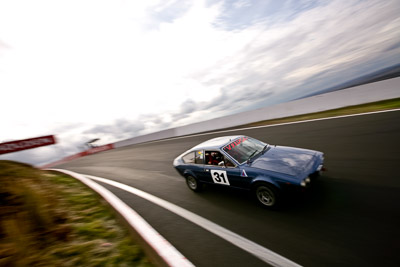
(162, 247)
(271, 125)
(251, 247)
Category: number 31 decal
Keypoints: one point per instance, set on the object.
(220, 177)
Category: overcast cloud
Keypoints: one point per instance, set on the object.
(118, 69)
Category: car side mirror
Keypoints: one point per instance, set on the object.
(221, 164)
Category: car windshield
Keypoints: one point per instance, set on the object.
(244, 148)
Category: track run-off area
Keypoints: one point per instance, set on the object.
(349, 218)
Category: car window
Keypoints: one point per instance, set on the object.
(199, 157)
(188, 158)
(243, 148)
(196, 157)
(228, 163)
(213, 157)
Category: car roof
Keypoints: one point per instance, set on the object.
(216, 143)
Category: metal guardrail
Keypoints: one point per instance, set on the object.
(367, 93)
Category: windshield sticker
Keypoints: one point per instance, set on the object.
(235, 143)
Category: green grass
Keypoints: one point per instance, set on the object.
(375, 106)
(51, 219)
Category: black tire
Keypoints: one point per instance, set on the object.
(193, 183)
(266, 195)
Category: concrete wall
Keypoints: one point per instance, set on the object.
(362, 94)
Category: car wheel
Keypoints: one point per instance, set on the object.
(193, 183)
(266, 196)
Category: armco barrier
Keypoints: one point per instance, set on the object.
(372, 92)
(367, 93)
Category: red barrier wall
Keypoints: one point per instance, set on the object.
(24, 144)
(80, 154)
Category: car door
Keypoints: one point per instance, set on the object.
(237, 174)
(198, 166)
(227, 174)
(194, 163)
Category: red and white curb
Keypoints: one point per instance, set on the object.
(168, 253)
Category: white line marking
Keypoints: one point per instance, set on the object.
(163, 248)
(265, 126)
(259, 251)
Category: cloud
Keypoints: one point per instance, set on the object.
(331, 38)
(186, 108)
(165, 12)
(120, 70)
(3, 45)
(119, 129)
(35, 156)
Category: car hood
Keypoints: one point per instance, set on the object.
(292, 161)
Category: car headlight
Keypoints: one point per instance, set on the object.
(305, 182)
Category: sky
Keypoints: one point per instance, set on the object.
(117, 69)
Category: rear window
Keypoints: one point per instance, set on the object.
(196, 157)
(188, 158)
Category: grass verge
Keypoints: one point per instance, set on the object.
(370, 107)
(51, 219)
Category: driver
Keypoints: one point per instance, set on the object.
(214, 158)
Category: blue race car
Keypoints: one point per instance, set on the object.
(247, 163)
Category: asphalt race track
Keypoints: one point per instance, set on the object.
(350, 218)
